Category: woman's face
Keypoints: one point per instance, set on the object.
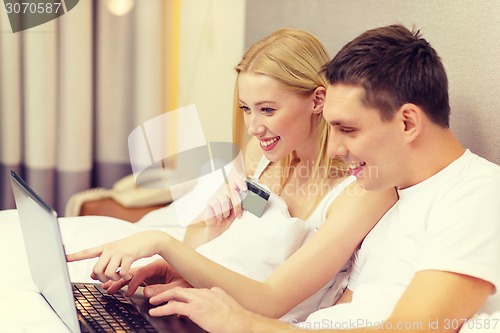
(282, 121)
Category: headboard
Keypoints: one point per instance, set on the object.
(466, 34)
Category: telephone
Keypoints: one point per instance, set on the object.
(126, 192)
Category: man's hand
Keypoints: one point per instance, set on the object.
(212, 309)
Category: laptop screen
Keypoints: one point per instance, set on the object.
(45, 251)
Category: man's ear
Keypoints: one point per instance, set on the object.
(411, 117)
(319, 96)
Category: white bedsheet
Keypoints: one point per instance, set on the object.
(22, 309)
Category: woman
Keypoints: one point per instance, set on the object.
(280, 95)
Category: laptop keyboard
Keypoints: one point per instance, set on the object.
(108, 313)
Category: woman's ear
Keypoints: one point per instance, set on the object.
(319, 96)
(411, 121)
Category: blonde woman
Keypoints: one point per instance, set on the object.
(279, 97)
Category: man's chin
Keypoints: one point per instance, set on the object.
(371, 185)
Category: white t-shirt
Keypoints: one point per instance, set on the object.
(449, 222)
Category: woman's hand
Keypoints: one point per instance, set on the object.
(157, 277)
(115, 258)
(226, 203)
(220, 212)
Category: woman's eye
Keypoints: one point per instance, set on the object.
(267, 111)
(245, 109)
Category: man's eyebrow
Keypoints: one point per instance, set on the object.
(337, 123)
(343, 123)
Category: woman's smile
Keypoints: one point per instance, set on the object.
(269, 144)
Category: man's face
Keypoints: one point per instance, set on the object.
(372, 148)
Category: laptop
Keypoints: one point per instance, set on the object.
(83, 307)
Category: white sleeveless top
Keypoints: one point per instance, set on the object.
(255, 247)
(319, 214)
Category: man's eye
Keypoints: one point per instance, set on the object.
(347, 130)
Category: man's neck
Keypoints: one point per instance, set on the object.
(431, 154)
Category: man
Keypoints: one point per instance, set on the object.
(432, 261)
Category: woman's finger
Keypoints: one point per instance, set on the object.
(100, 268)
(125, 268)
(226, 206)
(112, 268)
(85, 254)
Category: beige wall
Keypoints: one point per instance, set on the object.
(211, 43)
(466, 33)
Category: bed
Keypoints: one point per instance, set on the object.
(23, 308)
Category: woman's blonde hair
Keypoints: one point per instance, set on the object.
(294, 58)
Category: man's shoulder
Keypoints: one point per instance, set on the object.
(472, 166)
(474, 158)
(477, 167)
(473, 184)
(468, 176)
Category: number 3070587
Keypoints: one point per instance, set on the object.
(475, 323)
(33, 8)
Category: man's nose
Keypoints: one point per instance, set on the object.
(336, 148)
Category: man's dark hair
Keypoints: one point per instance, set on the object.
(394, 66)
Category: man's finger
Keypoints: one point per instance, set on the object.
(107, 285)
(172, 307)
(136, 281)
(156, 289)
(179, 294)
(114, 286)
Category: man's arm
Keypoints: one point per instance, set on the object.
(435, 301)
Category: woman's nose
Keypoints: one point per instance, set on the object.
(255, 126)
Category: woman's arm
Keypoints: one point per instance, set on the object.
(350, 217)
(200, 233)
